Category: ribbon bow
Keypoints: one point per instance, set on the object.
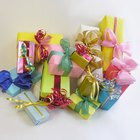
(65, 63)
(110, 40)
(23, 80)
(29, 67)
(41, 52)
(84, 104)
(125, 65)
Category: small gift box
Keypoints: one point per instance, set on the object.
(120, 69)
(53, 83)
(110, 92)
(13, 83)
(37, 113)
(59, 61)
(83, 106)
(112, 29)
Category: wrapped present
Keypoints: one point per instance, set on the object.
(120, 69)
(35, 109)
(59, 60)
(113, 29)
(83, 105)
(51, 87)
(13, 83)
(110, 92)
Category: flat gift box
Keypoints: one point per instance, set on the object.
(56, 59)
(13, 90)
(92, 109)
(37, 113)
(53, 81)
(117, 26)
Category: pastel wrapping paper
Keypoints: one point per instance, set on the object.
(55, 60)
(13, 90)
(48, 82)
(117, 26)
(92, 109)
(37, 113)
(22, 62)
(109, 94)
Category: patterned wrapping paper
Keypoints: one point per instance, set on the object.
(117, 26)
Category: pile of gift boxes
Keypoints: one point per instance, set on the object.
(100, 60)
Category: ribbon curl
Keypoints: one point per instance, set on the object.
(41, 52)
(22, 81)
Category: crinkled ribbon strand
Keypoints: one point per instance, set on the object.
(58, 99)
(95, 85)
(22, 81)
(29, 67)
(110, 40)
(84, 104)
(41, 52)
(25, 104)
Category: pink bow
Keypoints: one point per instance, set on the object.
(125, 65)
(110, 40)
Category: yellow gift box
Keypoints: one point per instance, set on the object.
(76, 99)
(117, 26)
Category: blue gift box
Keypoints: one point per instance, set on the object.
(13, 90)
(109, 94)
(37, 113)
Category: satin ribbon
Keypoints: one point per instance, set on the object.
(110, 41)
(22, 81)
(84, 104)
(41, 52)
(29, 67)
(125, 65)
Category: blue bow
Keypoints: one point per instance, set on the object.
(22, 81)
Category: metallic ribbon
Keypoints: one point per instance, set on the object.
(29, 67)
(41, 52)
(22, 81)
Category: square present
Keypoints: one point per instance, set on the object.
(37, 113)
(83, 107)
(14, 90)
(116, 25)
(50, 82)
(58, 56)
(109, 94)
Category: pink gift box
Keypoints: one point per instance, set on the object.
(21, 61)
(55, 60)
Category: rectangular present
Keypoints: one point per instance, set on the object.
(56, 54)
(37, 113)
(108, 96)
(13, 90)
(49, 82)
(93, 106)
(117, 26)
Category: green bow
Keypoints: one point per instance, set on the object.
(65, 63)
(84, 104)
(29, 65)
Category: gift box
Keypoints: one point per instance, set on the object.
(50, 82)
(116, 25)
(83, 106)
(37, 113)
(59, 60)
(109, 94)
(14, 90)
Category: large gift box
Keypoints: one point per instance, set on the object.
(112, 29)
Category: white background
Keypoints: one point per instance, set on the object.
(65, 16)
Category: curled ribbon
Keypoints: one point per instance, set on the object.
(29, 67)
(110, 40)
(41, 52)
(124, 65)
(57, 99)
(22, 81)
